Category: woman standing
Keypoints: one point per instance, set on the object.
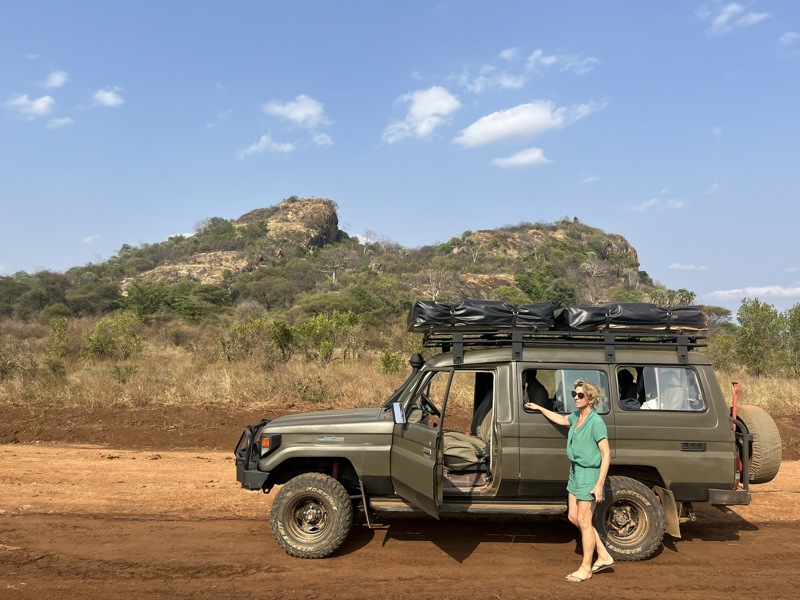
(589, 456)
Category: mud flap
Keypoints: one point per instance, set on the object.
(366, 504)
(672, 523)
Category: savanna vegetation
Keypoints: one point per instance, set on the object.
(322, 327)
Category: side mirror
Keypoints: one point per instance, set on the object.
(398, 414)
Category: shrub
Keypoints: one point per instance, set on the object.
(391, 362)
(115, 337)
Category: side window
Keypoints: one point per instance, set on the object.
(659, 388)
(551, 388)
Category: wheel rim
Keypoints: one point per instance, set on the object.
(308, 518)
(626, 523)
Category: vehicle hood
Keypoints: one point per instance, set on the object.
(330, 419)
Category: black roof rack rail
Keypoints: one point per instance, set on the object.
(451, 339)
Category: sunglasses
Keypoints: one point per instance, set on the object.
(578, 395)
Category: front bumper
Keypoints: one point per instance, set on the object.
(251, 479)
(248, 453)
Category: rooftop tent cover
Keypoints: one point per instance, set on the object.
(480, 314)
(631, 316)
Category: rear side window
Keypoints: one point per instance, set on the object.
(659, 388)
(551, 388)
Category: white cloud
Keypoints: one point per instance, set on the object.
(427, 110)
(91, 239)
(713, 189)
(509, 54)
(56, 79)
(682, 267)
(525, 158)
(729, 17)
(31, 108)
(303, 111)
(573, 63)
(265, 144)
(590, 179)
(489, 79)
(716, 132)
(60, 122)
(775, 291)
(792, 269)
(789, 44)
(108, 97)
(578, 64)
(321, 140)
(539, 59)
(523, 121)
(221, 118)
(675, 203)
(646, 205)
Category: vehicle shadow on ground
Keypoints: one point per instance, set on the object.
(458, 538)
(712, 525)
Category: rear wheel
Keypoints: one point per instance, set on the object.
(311, 516)
(630, 520)
(765, 453)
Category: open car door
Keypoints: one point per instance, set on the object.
(417, 456)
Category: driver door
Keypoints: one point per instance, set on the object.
(417, 455)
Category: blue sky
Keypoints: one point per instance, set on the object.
(673, 124)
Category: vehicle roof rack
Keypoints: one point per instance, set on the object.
(486, 324)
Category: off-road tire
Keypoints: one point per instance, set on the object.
(765, 456)
(311, 516)
(630, 519)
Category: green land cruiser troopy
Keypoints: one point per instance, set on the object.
(674, 440)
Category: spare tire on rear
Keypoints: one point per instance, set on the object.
(765, 452)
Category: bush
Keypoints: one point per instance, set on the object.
(115, 337)
(391, 362)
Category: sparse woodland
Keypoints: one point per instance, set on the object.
(280, 307)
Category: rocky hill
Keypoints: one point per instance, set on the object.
(308, 222)
(565, 254)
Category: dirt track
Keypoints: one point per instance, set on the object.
(90, 522)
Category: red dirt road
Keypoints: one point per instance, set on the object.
(89, 522)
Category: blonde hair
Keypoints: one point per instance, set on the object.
(593, 393)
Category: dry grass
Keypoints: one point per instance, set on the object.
(770, 393)
(184, 366)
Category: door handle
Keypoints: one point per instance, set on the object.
(427, 452)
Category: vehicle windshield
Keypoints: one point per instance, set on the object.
(405, 391)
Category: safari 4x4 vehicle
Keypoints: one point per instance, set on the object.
(674, 441)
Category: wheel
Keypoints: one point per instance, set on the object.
(765, 454)
(630, 520)
(311, 516)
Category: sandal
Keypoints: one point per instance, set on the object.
(597, 568)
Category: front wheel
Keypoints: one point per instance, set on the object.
(630, 520)
(311, 516)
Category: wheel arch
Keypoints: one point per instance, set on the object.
(340, 468)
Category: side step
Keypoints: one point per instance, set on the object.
(509, 507)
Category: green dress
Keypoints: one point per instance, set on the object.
(583, 453)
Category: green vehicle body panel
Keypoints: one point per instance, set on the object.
(685, 452)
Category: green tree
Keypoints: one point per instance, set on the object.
(793, 337)
(719, 320)
(759, 343)
(322, 335)
(282, 337)
(510, 294)
(116, 337)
